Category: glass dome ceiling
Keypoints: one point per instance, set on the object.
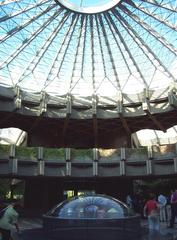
(45, 46)
(89, 6)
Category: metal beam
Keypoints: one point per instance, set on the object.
(30, 38)
(5, 2)
(95, 129)
(155, 121)
(144, 47)
(125, 124)
(121, 20)
(151, 30)
(25, 10)
(111, 56)
(159, 5)
(35, 124)
(151, 14)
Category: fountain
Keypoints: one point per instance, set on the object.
(91, 217)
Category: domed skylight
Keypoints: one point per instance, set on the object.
(44, 46)
(89, 6)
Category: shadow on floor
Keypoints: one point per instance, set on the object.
(32, 230)
(37, 234)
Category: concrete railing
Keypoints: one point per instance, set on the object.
(69, 162)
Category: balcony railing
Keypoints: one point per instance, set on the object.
(69, 162)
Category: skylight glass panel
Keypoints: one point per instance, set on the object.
(46, 45)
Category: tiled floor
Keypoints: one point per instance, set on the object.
(31, 229)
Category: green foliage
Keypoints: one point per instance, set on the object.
(54, 153)
(4, 149)
(4, 187)
(139, 151)
(18, 190)
(136, 154)
(81, 153)
(26, 152)
(142, 151)
(7, 190)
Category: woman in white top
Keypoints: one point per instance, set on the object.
(9, 221)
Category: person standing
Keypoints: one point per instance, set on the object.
(168, 207)
(173, 202)
(9, 221)
(151, 210)
(162, 201)
(129, 201)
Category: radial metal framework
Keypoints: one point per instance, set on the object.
(62, 64)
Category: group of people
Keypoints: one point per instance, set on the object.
(155, 209)
(9, 220)
(158, 209)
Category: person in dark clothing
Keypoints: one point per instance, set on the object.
(173, 202)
